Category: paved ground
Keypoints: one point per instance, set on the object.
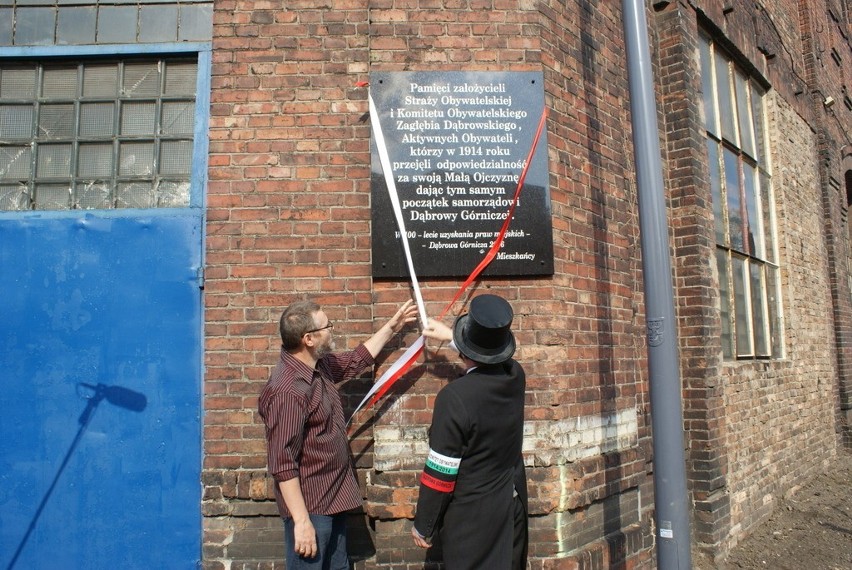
(811, 530)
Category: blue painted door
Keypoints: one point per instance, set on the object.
(100, 364)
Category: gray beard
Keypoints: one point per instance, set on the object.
(326, 348)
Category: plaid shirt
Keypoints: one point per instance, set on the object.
(306, 431)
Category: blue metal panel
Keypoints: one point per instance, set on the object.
(100, 367)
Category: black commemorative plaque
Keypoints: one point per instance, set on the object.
(458, 143)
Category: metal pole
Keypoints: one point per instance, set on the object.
(671, 501)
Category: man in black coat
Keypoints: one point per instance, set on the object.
(473, 489)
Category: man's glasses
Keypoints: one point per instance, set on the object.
(330, 325)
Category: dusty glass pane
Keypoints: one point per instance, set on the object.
(196, 23)
(767, 209)
(158, 23)
(59, 83)
(136, 159)
(141, 80)
(743, 114)
(726, 99)
(17, 83)
(5, 27)
(54, 161)
(708, 93)
(178, 118)
(95, 160)
(757, 117)
(16, 122)
(134, 195)
(725, 303)
(92, 195)
(173, 194)
(180, 78)
(76, 25)
(14, 197)
(52, 197)
(773, 302)
(56, 121)
(753, 230)
(741, 317)
(716, 189)
(117, 24)
(175, 157)
(138, 118)
(15, 162)
(761, 344)
(97, 120)
(100, 80)
(34, 26)
(734, 203)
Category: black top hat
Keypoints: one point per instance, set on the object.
(483, 334)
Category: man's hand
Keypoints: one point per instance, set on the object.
(407, 313)
(436, 330)
(305, 538)
(419, 540)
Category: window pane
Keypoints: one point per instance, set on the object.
(175, 157)
(755, 235)
(138, 119)
(726, 100)
(173, 194)
(732, 193)
(76, 25)
(141, 80)
(761, 344)
(180, 78)
(135, 195)
(768, 228)
(743, 114)
(59, 83)
(16, 122)
(97, 120)
(774, 309)
(14, 197)
(716, 189)
(707, 87)
(56, 121)
(117, 24)
(54, 161)
(34, 26)
(95, 161)
(52, 197)
(741, 316)
(136, 159)
(178, 118)
(15, 163)
(100, 81)
(725, 303)
(18, 83)
(757, 117)
(93, 195)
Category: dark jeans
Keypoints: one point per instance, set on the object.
(331, 544)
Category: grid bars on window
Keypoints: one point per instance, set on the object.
(96, 135)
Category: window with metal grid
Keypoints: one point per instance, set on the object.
(96, 134)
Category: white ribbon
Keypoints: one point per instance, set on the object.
(397, 211)
(384, 159)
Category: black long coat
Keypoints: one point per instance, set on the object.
(474, 466)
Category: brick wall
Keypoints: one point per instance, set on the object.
(289, 215)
